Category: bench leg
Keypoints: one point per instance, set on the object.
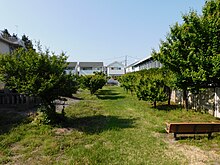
(175, 137)
(209, 135)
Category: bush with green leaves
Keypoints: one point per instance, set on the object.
(152, 88)
(71, 86)
(38, 74)
(129, 81)
(93, 82)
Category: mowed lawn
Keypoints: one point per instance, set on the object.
(112, 127)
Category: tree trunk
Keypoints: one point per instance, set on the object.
(185, 99)
(155, 104)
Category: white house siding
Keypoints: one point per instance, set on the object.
(136, 68)
(88, 72)
(129, 69)
(115, 69)
(4, 48)
(115, 72)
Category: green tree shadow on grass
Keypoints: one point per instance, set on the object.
(10, 120)
(108, 95)
(97, 124)
(167, 107)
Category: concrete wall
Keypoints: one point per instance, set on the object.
(207, 100)
(217, 103)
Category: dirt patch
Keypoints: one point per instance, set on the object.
(194, 155)
(60, 131)
(60, 105)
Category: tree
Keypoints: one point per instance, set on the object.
(191, 50)
(6, 34)
(36, 74)
(28, 43)
(152, 88)
(94, 82)
(128, 81)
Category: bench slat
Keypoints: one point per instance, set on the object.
(192, 127)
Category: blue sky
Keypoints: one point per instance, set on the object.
(96, 30)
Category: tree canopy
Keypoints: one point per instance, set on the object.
(191, 49)
(37, 74)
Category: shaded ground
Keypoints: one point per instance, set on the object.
(97, 124)
(109, 95)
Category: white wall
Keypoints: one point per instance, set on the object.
(88, 72)
(113, 69)
(4, 48)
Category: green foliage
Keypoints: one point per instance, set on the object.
(129, 81)
(93, 82)
(37, 74)
(27, 42)
(191, 49)
(105, 132)
(6, 34)
(152, 87)
(71, 86)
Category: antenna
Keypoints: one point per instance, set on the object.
(126, 60)
(16, 26)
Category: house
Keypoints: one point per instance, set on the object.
(115, 69)
(130, 68)
(71, 68)
(9, 43)
(88, 68)
(146, 63)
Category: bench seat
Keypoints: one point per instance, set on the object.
(193, 128)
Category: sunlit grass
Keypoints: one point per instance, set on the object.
(112, 127)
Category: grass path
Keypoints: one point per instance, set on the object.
(110, 128)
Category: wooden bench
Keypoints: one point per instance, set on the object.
(193, 128)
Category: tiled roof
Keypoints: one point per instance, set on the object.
(72, 64)
(91, 64)
(12, 40)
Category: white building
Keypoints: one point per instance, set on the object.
(88, 68)
(115, 69)
(130, 68)
(72, 68)
(8, 44)
(146, 63)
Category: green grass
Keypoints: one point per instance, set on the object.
(111, 127)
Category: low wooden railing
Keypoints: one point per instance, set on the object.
(16, 100)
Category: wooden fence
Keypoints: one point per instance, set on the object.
(8, 100)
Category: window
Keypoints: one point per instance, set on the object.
(87, 68)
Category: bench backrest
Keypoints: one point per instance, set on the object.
(193, 127)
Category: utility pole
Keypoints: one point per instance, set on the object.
(16, 26)
(126, 60)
